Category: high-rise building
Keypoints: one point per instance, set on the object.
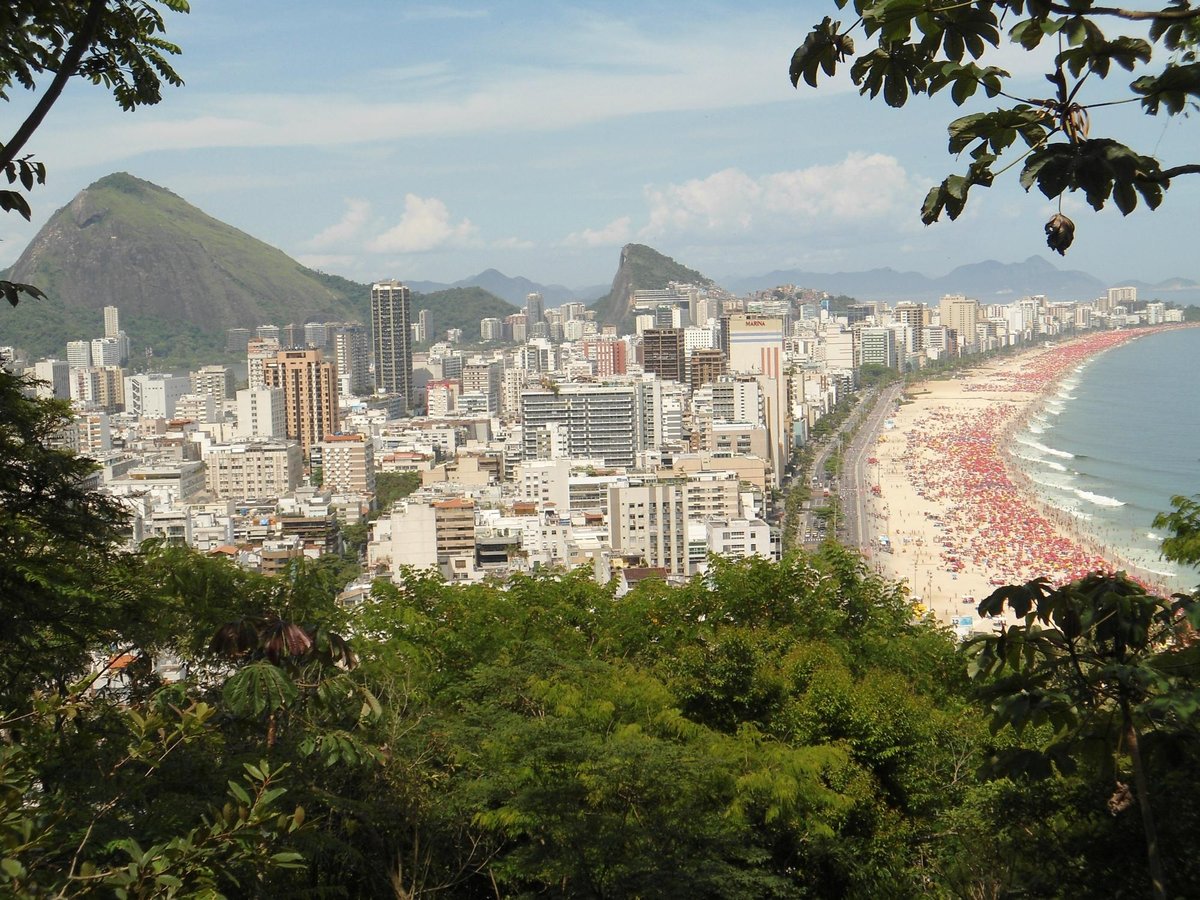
(112, 321)
(650, 521)
(261, 413)
(110, 388)
(582, 421)
(236, 339)
(391, 338)
(485, 377)
(491, 329)
(352, 355)
(259, 351)
(755, 345)
(214, 380)
(610, 356)
(914, 316)
(56, 375)
(309, 394)
(877, 347)
(424, 325)
(254, 471)
(348, 464)
(79, 354)
(662, 353)
(292, 337)
(960, 314)
(707, 365)
(108, 351)
(517, 327)
(535, 308)
(316, 334)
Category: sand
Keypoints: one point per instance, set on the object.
(960, 517)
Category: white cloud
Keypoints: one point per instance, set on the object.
(577, 80)
(862, 189)
(426, 225)
(613, 234)
(346, 229)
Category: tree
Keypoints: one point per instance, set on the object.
(925, 47)
(116, 43)
(57, 540)
(1108, 669)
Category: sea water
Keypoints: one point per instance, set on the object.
(1117, 438)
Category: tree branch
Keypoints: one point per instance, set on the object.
(1168, 174)
(1133, 15)
(70, 62)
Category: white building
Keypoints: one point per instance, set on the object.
(261, 413)
(254, 471)
(587, 421)
(347, 464)
(200, 408)
(154, 395)
(650, 521)
(739, 538)
(107, 351)
(56, 374)
(79, 354)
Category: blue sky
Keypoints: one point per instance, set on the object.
(429, 141)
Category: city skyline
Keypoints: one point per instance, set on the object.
(538, 142)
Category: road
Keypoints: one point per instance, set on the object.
(875, 407)
(855, 488)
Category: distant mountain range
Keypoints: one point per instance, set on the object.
(181, 278)
(989, 281)
(514, 290)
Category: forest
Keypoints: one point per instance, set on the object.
(786, 729)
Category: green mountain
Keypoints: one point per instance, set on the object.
(641, 268)
(181, 278)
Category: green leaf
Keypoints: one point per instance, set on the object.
(239, 792)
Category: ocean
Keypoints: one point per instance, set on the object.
(1117, 440)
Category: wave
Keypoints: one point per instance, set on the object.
(1098, 499)
(1066, 395)
(1070, 510)
(1048, 482)
(1042, 448)
(1036, 429)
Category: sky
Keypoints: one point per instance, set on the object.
(430, 141)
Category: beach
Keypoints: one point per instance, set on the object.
(958, 516)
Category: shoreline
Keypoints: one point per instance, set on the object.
(960, 514)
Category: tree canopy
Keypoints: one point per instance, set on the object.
(924, 47)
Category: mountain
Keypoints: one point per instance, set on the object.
(181, 278)
(126, 242)
(989, 281)
(514, 290)
(641, 268)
